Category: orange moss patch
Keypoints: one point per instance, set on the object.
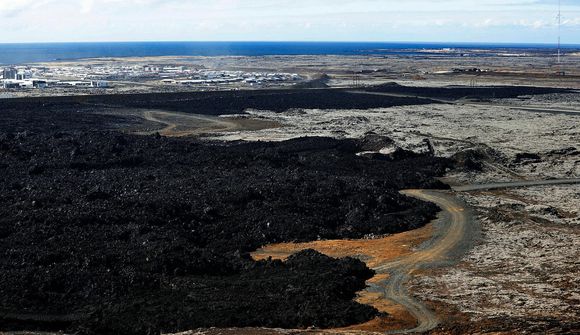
(373, 252)
(378, 278)
(397, 316)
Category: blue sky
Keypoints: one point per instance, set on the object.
(526, 21)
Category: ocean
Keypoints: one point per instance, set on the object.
(47, 52)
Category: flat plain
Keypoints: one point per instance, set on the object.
(451, 183)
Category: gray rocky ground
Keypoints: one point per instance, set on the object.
(526, 265)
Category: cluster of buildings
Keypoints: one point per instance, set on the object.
(29, 78)
(208, 78)
(99, 75)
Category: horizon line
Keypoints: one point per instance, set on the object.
(300, 41)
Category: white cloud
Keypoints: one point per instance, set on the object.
(9, 8)
(466, 20)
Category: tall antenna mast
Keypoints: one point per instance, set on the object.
(559, 30)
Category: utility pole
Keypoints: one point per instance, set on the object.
(355, 79)
(559, 31)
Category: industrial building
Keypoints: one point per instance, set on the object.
(26, 83)
(27, 78)
(9, 73)
(81, 77)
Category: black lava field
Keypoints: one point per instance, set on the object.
(218, 103)
(460, 92)
(108, 233)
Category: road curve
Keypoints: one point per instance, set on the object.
(182, 124)
(516, 184)
(454, 228)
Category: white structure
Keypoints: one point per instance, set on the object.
(100, 84)
(9, 73)
(13, 83)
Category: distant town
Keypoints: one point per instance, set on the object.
(88, 76)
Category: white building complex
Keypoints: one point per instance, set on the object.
(24, 78)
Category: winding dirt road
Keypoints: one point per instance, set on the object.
(518, 184)
(179, 124)
(183, 124)
(455, 230)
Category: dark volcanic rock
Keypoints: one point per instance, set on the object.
(103, 236)
(460, 92)
(207, 103)
(269, 294)
(374, 142)
(527, 158)
(470, 160)
(102, 232)
(565, 152)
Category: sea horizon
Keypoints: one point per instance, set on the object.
(23, 53)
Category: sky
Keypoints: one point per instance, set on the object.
(504, 21)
